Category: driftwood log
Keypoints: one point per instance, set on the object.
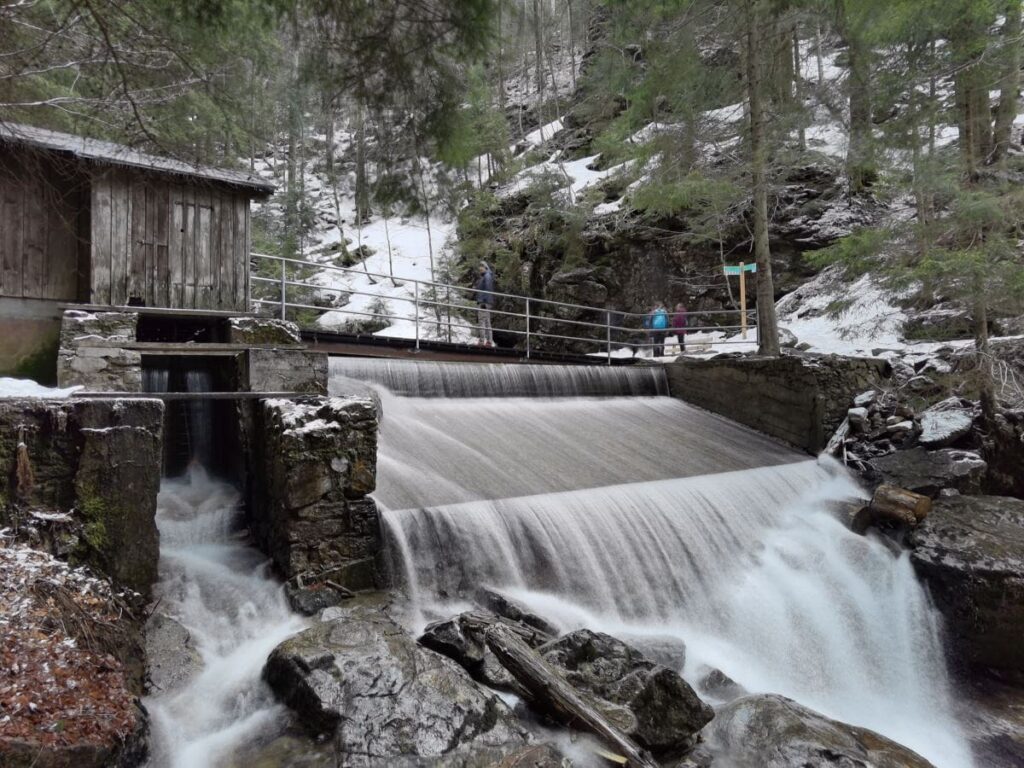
(549, 692)
(892, 505)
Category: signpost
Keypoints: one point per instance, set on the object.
(741, 269)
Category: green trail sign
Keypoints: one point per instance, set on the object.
(736, 269)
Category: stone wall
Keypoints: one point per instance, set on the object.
(286, 370)
(90, 354)
(85, 483)
(798, 399)
(315, 462)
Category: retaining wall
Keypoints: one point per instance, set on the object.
(798, 399)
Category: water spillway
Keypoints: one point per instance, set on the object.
(642, 516)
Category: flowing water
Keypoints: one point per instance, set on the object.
(220, 589)
(644, 516)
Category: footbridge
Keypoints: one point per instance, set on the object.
(353, 312)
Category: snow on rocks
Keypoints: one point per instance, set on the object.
(10, 387)
(945, 423)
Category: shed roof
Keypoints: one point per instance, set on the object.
(99, 151)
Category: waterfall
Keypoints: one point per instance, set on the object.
(644, 516)
(220, 590)
(199, 436)
(429, 379)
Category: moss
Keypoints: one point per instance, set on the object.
(94, 511)
(41, 364)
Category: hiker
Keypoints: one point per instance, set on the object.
(484, 299)
(659, 329)
(679, 326)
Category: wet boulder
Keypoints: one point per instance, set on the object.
(171, 654)
(668, 712)
(461, 639)
(970, 553)
(771, 731)
(503, 605)
(945, 423)
(929, 472)
(359, 678)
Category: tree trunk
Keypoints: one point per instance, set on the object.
(1009, 83)
(860, 162)
(767, 324)
(798, 88)
(550, 692)
(986, 379)
(572, 46)
(538, 38)
(362, 187)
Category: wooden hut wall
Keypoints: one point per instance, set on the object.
(168, 244)
(39, 204)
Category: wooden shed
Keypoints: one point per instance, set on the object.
(93, 222)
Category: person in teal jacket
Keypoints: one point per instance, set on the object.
(659, 329)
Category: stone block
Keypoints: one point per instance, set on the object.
(280, 370)
(263, 331)
(89, 355)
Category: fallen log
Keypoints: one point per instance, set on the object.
(892, 505)
(549, 692)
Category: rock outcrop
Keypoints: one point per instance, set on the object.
(85, 482)
(970, 553)
(382, 699)
(929, 472)
(771, 731)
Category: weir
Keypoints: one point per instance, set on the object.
(645, 517)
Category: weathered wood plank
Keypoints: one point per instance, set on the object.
(10, 236)
(162, 227)
(33, 252)
(62, 244)
(240, 252)
(204, 245)
(176, 248)
(191, 246)
(137, 272)
(100, 235)
(120, 224)
(226, 252)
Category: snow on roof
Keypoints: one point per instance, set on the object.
(97, 150)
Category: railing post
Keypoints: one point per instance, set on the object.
(527, 327)
(608, 324)
(284, 279)
(416, 305)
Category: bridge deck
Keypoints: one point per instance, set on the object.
(368, 345)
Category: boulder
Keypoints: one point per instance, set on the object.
(719, 685)
(359, 678)
(505, 606)
(171, 654)
(462, 639)
(771, 731)
(945, 423)
(667, 710)
(928, 472)
(970, 553)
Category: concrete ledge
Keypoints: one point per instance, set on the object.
(798, 399)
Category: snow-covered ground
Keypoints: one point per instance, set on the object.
(10, 387)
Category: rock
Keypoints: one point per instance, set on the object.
(667, 710)
(502, 605)
(945, 423)
(858, 418)
(719, 685)
(171, 654)
(309, 601)
(385, 700)
(900, 427)
(865, 399)
(787, 338)
(771, 731)
(970, 553)
(83, 360)
(263, 331)
(666, 650)
(535, 756)
(462, 639)
(928, 472)
(288, 751)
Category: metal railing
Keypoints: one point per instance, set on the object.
(538, 324)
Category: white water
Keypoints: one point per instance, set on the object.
(619, 515)
(220, 589)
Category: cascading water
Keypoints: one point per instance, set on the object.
(644, 516)
(221, 591)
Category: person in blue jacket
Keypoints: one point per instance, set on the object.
(659, 328)
(484, 298)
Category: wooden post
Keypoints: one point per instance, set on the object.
(743, 301)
